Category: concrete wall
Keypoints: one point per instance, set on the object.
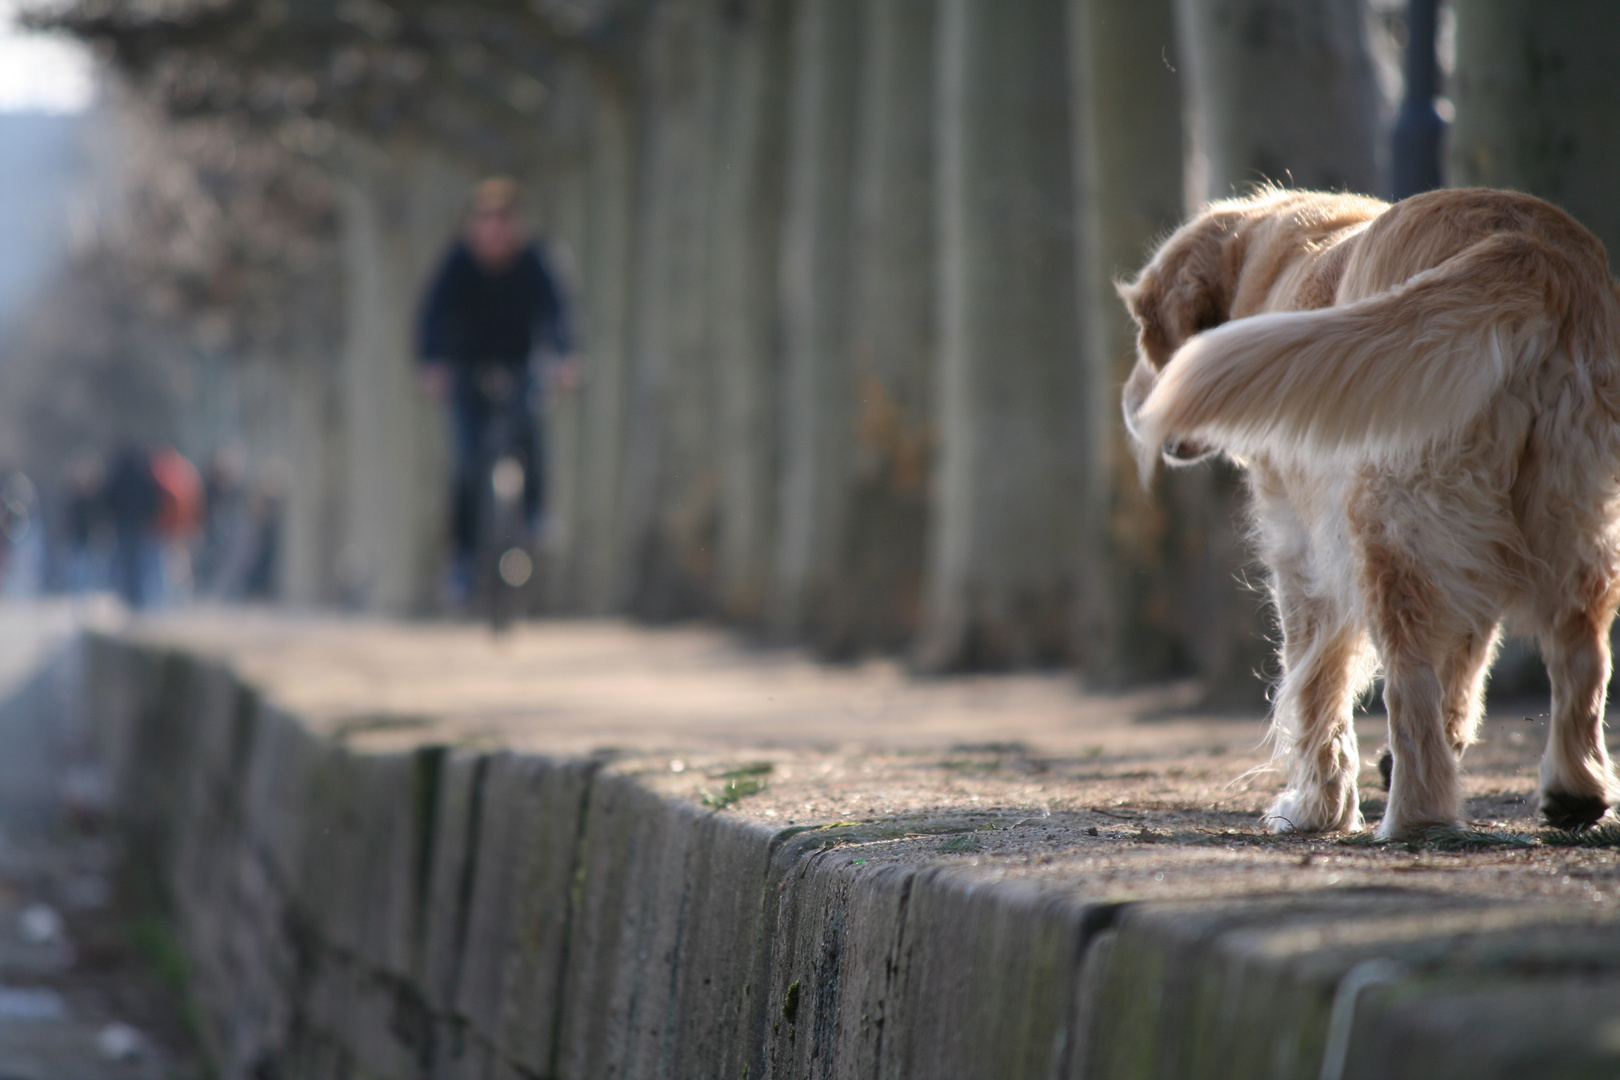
(450, 913)
(358, 906)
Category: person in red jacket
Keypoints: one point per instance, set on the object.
(179, 516)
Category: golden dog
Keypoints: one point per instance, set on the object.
(1427, 400)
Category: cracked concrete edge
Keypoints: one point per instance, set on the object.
(456, 912)
(1416, 984)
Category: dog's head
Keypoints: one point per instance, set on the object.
(1185, 290)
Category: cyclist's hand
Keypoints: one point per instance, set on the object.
(436, 380)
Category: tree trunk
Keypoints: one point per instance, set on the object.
(311, 538)
(816, 298)
(744, 290)
(871, 594)
(670, 498)
(1011, 438)
(1537, 108)
(398, 215)
(563, 196)
(1279, 91)
(1128, 118)
(604, 321)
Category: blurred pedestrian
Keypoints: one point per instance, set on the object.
(178, 520)
(265, 504)
(25, 547)
(227, 531)
(83, 514)
(494, 310)
(244, 528)
(83, 522)
(132, 499)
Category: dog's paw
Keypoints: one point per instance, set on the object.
(1394, 828)
(1297, 811)
(1284, 815)
(1567, 811)
(1391, 829)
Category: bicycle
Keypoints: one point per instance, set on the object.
(504, 552)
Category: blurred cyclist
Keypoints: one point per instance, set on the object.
(493, 306)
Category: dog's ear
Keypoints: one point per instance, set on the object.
(1189, 285)
(1139, 296)
(1144, 299)
(1207, 267)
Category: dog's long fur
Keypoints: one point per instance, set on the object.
(1427, 399)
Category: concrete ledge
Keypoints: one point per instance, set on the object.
(357, 903)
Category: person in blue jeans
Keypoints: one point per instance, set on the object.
(493, 305)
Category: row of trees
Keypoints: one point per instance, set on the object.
(844, 273)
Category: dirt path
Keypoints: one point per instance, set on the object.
(1134, 795)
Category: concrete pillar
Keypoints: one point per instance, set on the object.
(671, 488)
(816, 298)
(1281, 91)
(1127, 109)
(1011, 442)
(1537, 105)
(874, 598)
(749, 187)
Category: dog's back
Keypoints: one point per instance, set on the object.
(1442, 303)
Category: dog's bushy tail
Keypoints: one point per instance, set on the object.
(1382, 378)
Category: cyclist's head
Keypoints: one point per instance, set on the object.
(494, 229)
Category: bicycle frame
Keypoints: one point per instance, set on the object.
(504, 560)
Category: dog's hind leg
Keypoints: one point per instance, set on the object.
(1464, 677)
(1577, 782)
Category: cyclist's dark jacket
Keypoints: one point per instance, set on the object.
(470, 316)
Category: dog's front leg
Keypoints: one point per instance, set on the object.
(1465, 687)
(1325, 667)
(1321, 678)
